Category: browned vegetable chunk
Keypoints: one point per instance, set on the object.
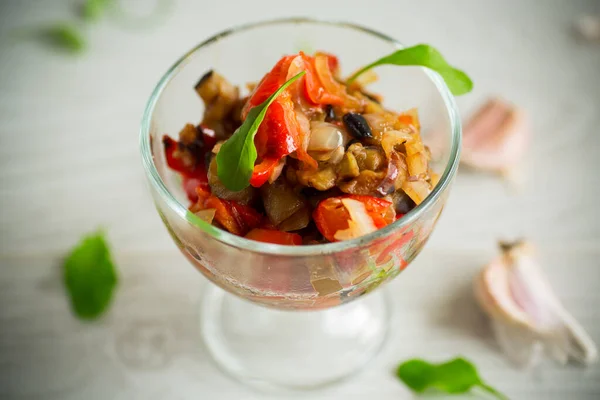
(280, 201)
(246, 196)
(366, 183)
(322, 179)
(220, 98)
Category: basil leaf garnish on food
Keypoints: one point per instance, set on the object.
(236, 157)
(425, 56)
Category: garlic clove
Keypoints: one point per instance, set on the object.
(495, 138)
(521, 346)
(588, 27)
(527, 314)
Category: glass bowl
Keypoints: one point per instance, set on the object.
(329, 335)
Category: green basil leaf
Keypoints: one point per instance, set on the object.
(64, 36)
(426, 56)
(92, 10)
(90, 277)
(455, 377)
(235, 160)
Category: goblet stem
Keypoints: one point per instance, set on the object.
(278, 351)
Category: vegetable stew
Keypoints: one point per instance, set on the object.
(332, 163)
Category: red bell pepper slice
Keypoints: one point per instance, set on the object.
(274, 236)
(193, 177)
(268, 84)
(247, 217)
(313, 88)
(334, 63)
(280, 133)
(331, 215)
(376, 208)
(262, 171)
(236, 218)
(330, 84)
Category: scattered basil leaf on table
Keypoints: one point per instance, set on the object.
(64, 36)
(236, 157)
(90, 276)
(426, 56)
(91, 10)
(455, 377)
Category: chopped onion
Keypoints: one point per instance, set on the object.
(332, 157)
(417, 164)
(324, 136)
(337, 155)
(391, 139)
(380, 122)
(388, 183)
(366, 78)
(359, 224)
(296, 66)
(206, 215)
(417, 190)
(331, 85)
(305, 127)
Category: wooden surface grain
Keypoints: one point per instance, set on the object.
(69, 162)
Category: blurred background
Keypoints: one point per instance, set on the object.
(69, 163)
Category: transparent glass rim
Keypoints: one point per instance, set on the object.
(304, 250)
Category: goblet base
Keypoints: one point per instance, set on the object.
(283, 351)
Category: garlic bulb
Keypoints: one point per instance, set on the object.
(527, 317)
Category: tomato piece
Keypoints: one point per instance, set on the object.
(331, 215)
(274, 236)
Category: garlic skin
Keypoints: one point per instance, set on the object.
(527, 317)
(495, 138)
(588, 27)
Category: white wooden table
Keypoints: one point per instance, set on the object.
(69, 162)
